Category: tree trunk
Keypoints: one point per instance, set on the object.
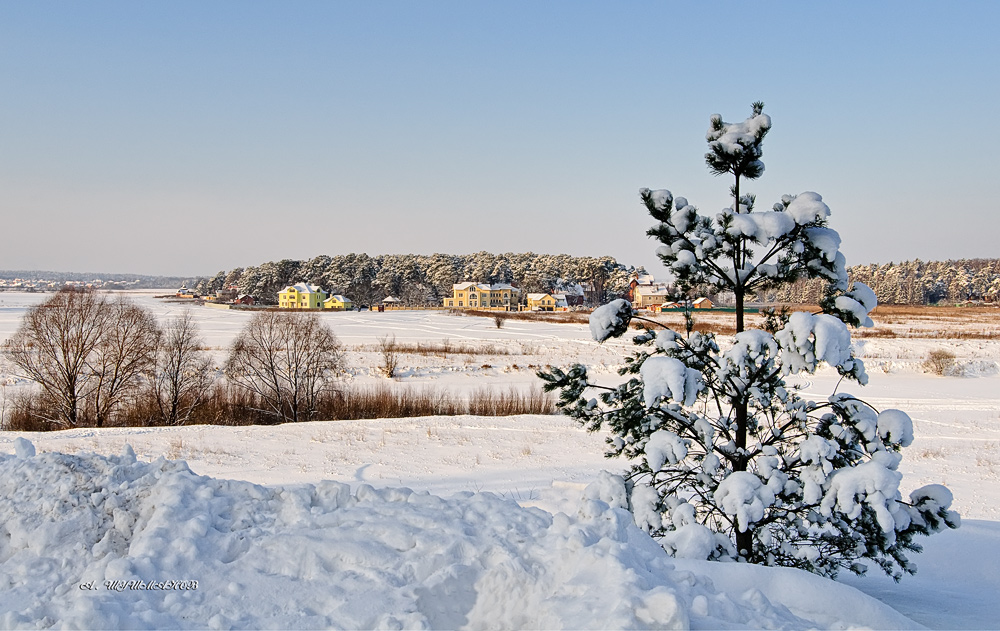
(744, 540)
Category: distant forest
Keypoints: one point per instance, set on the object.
(132, 281)
(426, 279)
(911, 283)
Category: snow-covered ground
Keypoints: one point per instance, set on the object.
(452, 521)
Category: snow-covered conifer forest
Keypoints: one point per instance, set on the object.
(910, 283)
(425, 279)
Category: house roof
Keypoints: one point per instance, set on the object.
(652, 291)
(304, 288)
(339, 298)
(537, 296)
(482, 286)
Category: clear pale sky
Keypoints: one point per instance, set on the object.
(188, 137)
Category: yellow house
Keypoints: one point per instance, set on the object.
(337, 302)
(481, 296)
(702, 303)
(546, 302)
(301, 296)
(649, 297)
(541, 302)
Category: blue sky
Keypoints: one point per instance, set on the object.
(189, 137)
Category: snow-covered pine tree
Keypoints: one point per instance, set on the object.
(728, 460)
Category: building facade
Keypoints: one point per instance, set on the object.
(482, 296)
(301, 296)
(338, 302)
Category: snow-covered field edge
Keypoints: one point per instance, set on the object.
(516, 475)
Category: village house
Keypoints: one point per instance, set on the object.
(645, 281)
(574, 296)
(337, 302)
(546, 302)
(650, 296)
(481, 296)
(301, 296)
(226, 295)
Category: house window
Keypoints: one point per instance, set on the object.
(460, 303)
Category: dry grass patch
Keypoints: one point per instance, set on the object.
(559, 317)
(443, 348)
(404, 402)
(235, 407)
(874, 333)
(939, 362)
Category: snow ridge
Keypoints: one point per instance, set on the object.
(322, 556)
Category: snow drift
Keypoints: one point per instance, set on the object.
(89, 541)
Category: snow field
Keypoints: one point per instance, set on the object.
(543, 463)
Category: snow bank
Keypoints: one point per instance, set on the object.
(94, 541)
(825, 603)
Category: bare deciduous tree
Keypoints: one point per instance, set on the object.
(125, 354)
(88, 354)
(54, 346)
(183, 371)
(288, 360)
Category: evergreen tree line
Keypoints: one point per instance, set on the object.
(426, 279)
(909, 283)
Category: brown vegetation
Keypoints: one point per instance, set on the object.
(939, 361)
(233, 406)
(443, 348)
(559, 317)
(390, 355)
